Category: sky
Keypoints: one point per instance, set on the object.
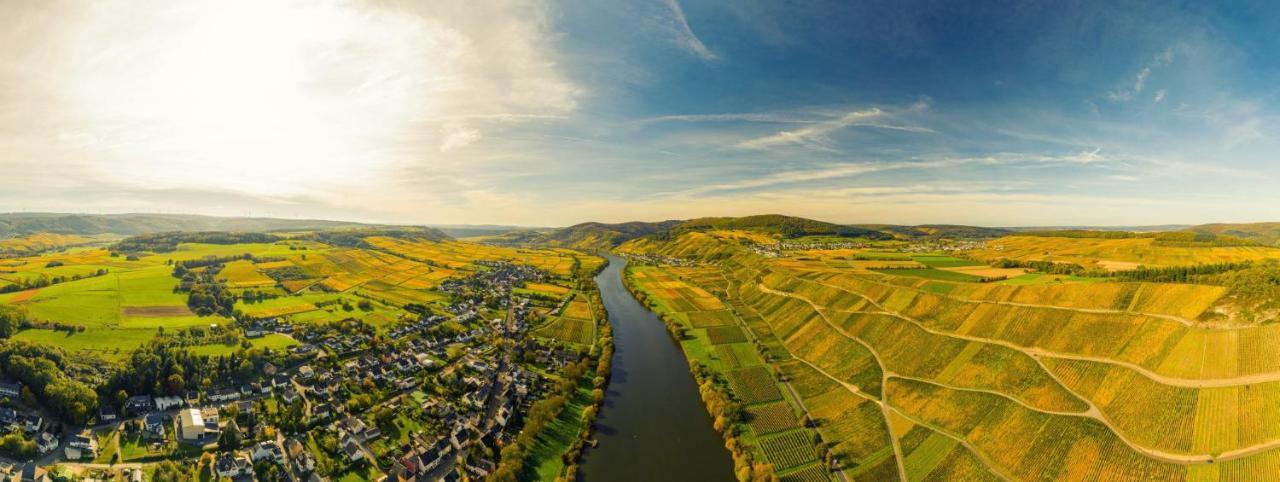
(552, 113)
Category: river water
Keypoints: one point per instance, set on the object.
(653, 426)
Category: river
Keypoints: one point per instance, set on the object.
(653, 426)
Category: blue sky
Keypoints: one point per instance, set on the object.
(1101, 113)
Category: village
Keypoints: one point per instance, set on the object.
(434, 398)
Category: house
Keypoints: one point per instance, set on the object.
(31, 423)
(306, 372)
(106, 414)
(191, 425)
(233, 465)
(153, 425)
(322, 411)
(267, 450)
(409, 464)
(224, 395)
(303, 461)
(46, 443)
(139, 404)
(269, 369)
(352, 448)
(10, 389)
(31, 473)
(210, 416)
(166, 403)
(289, 396)
(279, 381)
(81, 445)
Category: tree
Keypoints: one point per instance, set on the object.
(168, 471)
(10, 321)
(384, 418)
(173, 385)
(230, 438)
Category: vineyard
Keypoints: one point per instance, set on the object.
(720, 335)
(1049, 378)
(754, 385)
(789, 449)
(765, 419)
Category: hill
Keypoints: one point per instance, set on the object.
(1262, 233)
(594, 235)
(938, 231)
(786, 226)
(908, 368)
(477, 230)
(22, 224)
(589, 235)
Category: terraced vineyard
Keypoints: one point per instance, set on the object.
(944, 378)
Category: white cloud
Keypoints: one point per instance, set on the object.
(684, 34)
(1159, 97)
(458, 136)
(818, 135)
(763, 117)
(268, 98)
(828, 172)
(1140, 79)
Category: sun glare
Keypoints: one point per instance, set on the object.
(270, 98)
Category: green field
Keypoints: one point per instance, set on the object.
(941, 261)
(113, 314)
(930, 273)
(271, 341)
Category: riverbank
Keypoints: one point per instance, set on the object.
(653, 425)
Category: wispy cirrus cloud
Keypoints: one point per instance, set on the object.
(763, 184)
(1140, 79)
(684, 33)
(834, 171)
(818, 135)
(762, 117)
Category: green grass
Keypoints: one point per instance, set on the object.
(882, 256)
(930, 273)
(1044, 279)
(135, 448)
(544, 456)
(942, 261)
(108, 445)
(362, 472)
(938, 287)
(112, 344)
(273, 341)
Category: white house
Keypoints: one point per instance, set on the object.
(165, 403)
(191, 425)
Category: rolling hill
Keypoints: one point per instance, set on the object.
(594, 235)
(1264, 233)
(22, 224)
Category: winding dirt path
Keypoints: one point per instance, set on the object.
(1101, 311)
(1094, 412)
(1041, 352)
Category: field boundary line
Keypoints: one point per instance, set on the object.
(1042, 352)
(1098, 414)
